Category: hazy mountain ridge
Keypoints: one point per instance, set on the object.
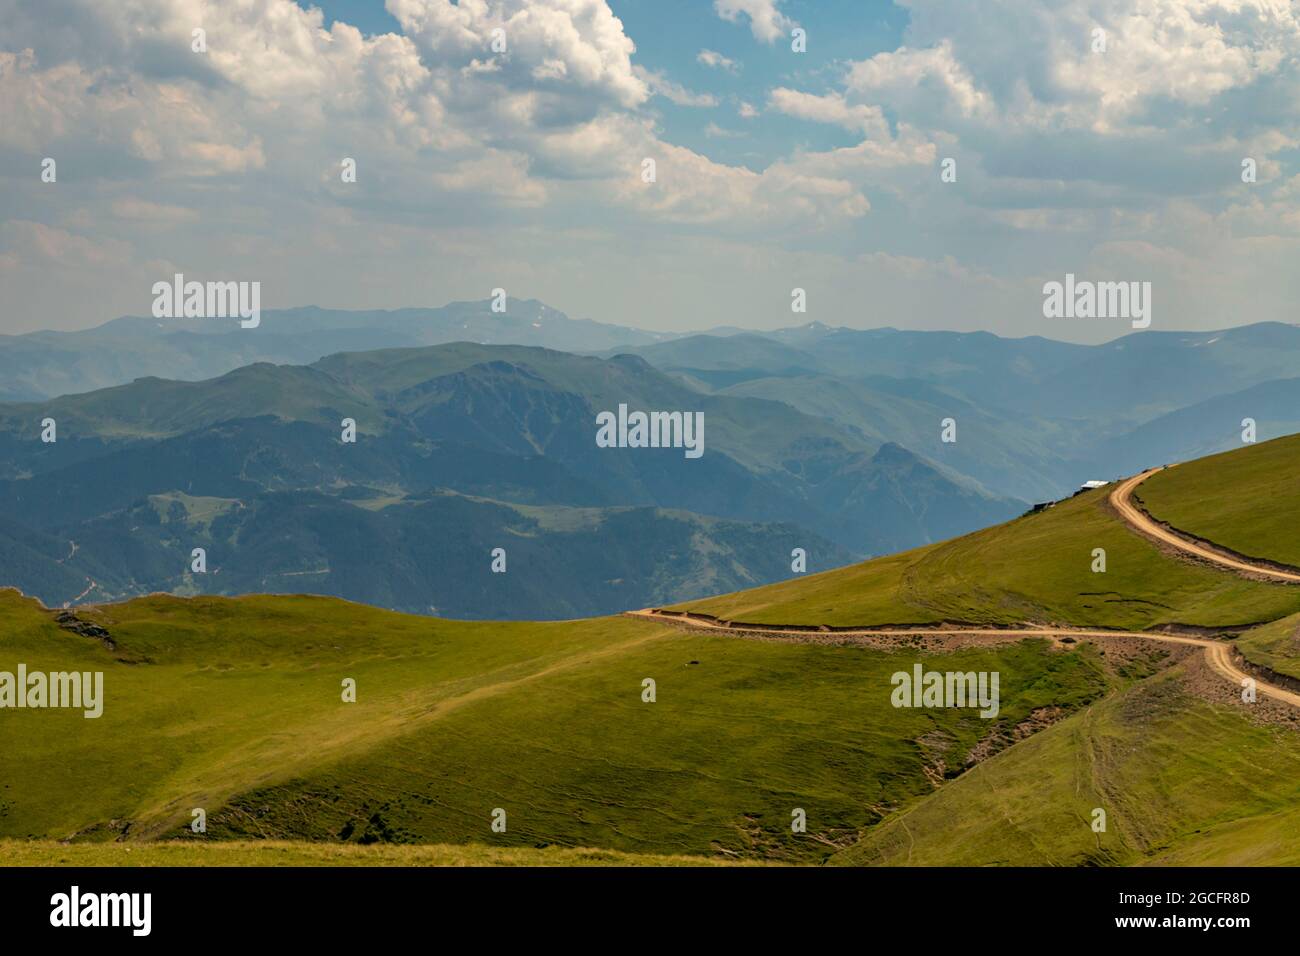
(41, 365)
(1034, 417)
(501, 427)
(831, 430)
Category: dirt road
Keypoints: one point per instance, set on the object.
(1217, 653)
(1140, 521)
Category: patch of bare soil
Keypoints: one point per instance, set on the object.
(1040, 718)
(936, 640)
(1133, 656)
(115, 830)
(934, 745)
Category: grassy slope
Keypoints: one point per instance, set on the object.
(1035, 568)
(1275, 645)
(1181, 781)
(239, 691)
(285, 853)
(731, 746)
(1246, 499)
(233, 705)
(237, 702)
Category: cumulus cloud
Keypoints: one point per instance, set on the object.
(692, 189)
(714, 131)
(929, 80)
(489, 135)
(489, 101)
(660, 85)
(1172, 56)
(1164, 101)
(716, 60)
(766, 21)
(829, 108)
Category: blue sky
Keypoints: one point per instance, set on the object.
(1115, 161)
(844, 29)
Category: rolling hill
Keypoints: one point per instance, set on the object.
(234, 706)
(1180, 779)
(1036, 568)
(239, 703)
(1244, 500)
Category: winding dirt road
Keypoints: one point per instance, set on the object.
(1141, 522)
(1217, 653)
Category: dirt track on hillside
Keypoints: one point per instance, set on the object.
(1145, 524)
(1217, 653)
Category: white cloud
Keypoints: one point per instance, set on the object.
(142, 210)
(829, 108)
(229, 161)
(716, 60)
(903, 76)
(570, 45)
(766, 22)
(714, 131)
(1170, 55)
(660, 85)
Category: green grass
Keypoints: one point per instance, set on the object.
(285, 853)
(730, 748)
(1275, 645)
(223, 694)
(1246, 499)
(233, 706)
(1181, 781)
(1035, 568)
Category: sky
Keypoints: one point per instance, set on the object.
(1105, 139)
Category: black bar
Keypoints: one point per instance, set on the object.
(331, 906)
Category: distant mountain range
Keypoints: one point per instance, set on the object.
(460, 449)
(175, 435)
(40, 365)
(1034, 417)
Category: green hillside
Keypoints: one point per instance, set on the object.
(287, 853)
(1246, 499)
(234, 706)
(1182, 781)
(1275, 645)
(154, 407)
(1036, 568)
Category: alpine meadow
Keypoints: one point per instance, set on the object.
(742, 441)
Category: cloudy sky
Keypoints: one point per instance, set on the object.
(775, 169)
